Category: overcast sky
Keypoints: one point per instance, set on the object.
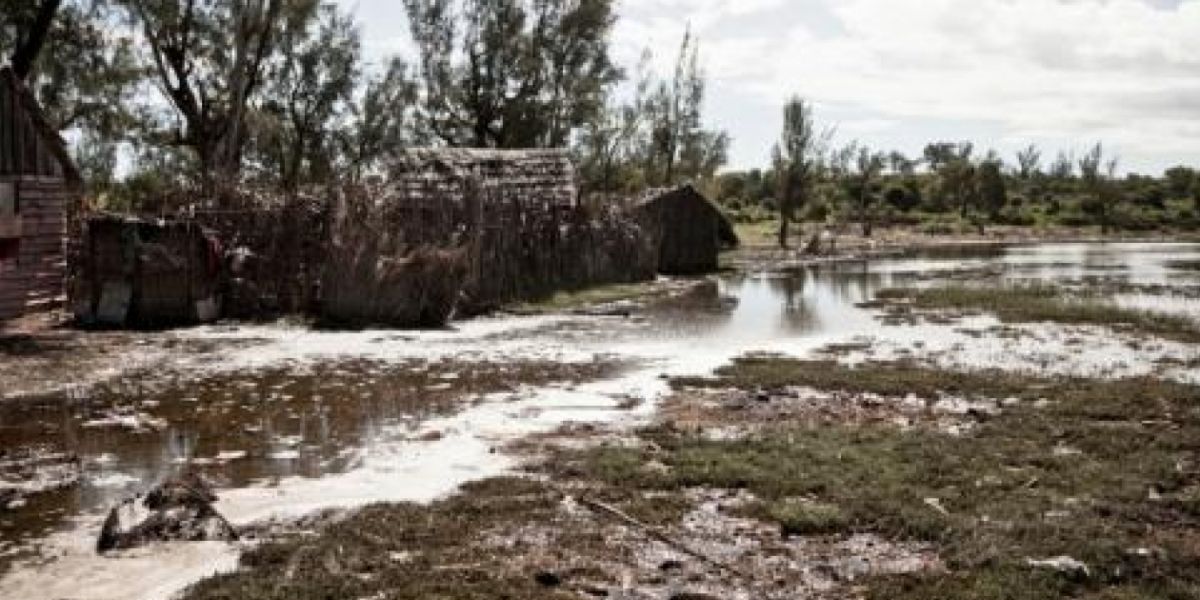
(895, 74)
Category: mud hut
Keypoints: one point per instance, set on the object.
(39, 190)
(148, 273)
(691, 231)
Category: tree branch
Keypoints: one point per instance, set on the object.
(29, 48)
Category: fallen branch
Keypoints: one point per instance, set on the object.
(656, 534)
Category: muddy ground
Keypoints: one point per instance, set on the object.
(786, 478)
(940, 443)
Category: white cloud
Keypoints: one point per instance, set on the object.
(1060, 72)
(1055, 70)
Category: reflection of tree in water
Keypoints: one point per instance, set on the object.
(796, 314)
(850, 283)
(701, 308)
(803, 292)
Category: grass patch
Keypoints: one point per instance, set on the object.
(1041, 303)
(760, 233)
(398, 551)
(803, 517)
(1106, 473)
(887, 379)
(605, 294)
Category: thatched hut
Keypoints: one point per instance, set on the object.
(517, 213)
(378, 273)
(148, 273)
(691, 230)
(39, 189)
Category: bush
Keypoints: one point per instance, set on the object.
(901, 198)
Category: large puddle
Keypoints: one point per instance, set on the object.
(290, 421)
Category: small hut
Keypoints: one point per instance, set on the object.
(691, 230)
(148, 273)
(39, 189)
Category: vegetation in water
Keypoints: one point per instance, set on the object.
(1041, 303)
(1102, 472)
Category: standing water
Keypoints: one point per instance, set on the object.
(290, 421)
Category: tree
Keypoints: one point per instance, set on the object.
(209, 59)
(381, 120)
(1063, 168)
(680, 148)
(899, 164)
(1098, 177)
(937, 155)
(607, 146)
(955, 172)
(993, 194)
(1029, 162)
(797, 158)
(30, 41)
(512, 73)
(1181, 181)
(80, 68)
(858, 170)
(306, 89)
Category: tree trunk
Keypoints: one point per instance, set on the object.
(785, 210)
(29, 48)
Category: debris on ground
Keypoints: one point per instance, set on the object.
(1062, 564)
(177, 510)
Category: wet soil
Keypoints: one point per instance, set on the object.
(84, 449)
(279, 416)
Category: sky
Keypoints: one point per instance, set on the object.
(896, 74)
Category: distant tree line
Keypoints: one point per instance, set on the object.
(950, 187)
(200, 92)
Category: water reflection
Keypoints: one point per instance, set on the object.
(259, 427)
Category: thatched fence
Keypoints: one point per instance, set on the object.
(447, 232)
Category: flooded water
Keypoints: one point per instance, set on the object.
(289, 421)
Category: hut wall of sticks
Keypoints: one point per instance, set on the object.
(446, 233)
(509, 221)
(40, 191)
(691, 230)
(277, 246)
(147, 273)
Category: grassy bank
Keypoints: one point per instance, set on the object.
(1103, 473)
(1042, 303)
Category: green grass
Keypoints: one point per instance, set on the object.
(1131, 482)
(888, 379)
(1009, 494)
(1045, 303)
(804, 517)
(605, 294)
(397, 551)
(759, 233)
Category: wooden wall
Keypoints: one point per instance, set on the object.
(35, 281)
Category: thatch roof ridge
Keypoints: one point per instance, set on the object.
(458, 160)
(25, 99)
(651, 194)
